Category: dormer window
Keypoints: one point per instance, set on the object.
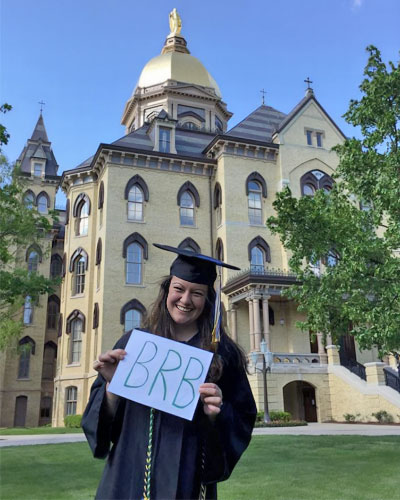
(164, 139)
(319, 139)
(37, 169)
(309, 137)
(314, 137)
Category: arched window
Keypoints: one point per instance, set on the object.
(71, 398)
(43, 202)
(314, 180)
(67, 210)
(190, 125)
(189, 244)
(79, 275)
(26, 347)
(135, 203)
(136, 193)
(56, 265)
(53, 308)
(132, 315)
(33, 257)
(219, 250)
(259, 253)
(28, 310)
(254, 202)
(332, 258)
(134, 262)
(75, 341)
(78, 266)
(135, 249)
(99, 251)
(96, 314)
(29, 199)
(218, 203)
(186, 210)
(100, 202)
(49, 358)
(81, 212)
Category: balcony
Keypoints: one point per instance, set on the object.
(257, 276)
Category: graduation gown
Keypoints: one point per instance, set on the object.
(185, 453)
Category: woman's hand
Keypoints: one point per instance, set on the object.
(211, 397)
(108, 362)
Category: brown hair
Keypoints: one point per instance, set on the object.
(160, 322)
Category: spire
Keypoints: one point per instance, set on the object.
(309, 90)
(175, 42)
(39, 131)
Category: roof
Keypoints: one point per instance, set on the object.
(296, 110)
(39, 131)
(258, 125)
(39, 147)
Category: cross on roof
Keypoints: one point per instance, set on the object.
(263, 92)
(41, 106)
(308, 82)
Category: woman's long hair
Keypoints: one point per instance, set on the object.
(160, 323)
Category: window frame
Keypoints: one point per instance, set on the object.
(71, 400)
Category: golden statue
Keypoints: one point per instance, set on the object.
(175, 23)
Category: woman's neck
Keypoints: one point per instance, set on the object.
(183, 333)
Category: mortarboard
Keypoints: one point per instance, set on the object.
(198, 268)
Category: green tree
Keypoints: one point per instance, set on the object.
(359, 289)
(20, 226)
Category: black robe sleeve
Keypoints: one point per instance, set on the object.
(228, 437)
(100, 427)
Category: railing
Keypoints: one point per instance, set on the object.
(259, 271)
(294, 359)
(392, 380)
(355, 367)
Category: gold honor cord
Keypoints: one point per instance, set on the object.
(149, 459)
(216, 331)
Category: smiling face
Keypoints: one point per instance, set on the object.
(185, 304)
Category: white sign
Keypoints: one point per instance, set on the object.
(161, 373)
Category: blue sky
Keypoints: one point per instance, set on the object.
(84, 57)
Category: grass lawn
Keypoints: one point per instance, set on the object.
(18, 431)
(273, 468)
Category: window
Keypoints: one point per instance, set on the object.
(28, 311)
(26, 347)
(218, 203)
(308, 190)
(56, 266)
(219, 250)
(75, 341)
(218, 125)
(134, 260)
(189, 244)
(314, 180)
(319, 139)
(37, 169)
(49, 357)
(42, 204)
(33, 261)
(254, 201)
(79, 275)
(71, 398)
(29, 199)
(259, 253)
(257, 260)
(186, 210)
(135, 203)
(309, 137)
(332, 259)
(133, 319)
(53, 308)
(45, 407)
(83, 219)
(164, 140)
(315, 266)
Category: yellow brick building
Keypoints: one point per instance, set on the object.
(182, 177)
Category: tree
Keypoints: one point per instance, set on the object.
(355, 229)
(20, 227)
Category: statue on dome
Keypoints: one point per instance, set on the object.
(175, 23)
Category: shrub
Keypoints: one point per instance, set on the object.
(281, 416)
(383, 417)
(73, 421)
(349, 417)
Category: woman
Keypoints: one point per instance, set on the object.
(157, 455)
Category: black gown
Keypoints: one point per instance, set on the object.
(185, 453)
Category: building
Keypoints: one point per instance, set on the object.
(181, 176)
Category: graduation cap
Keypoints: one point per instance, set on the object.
(202, 269)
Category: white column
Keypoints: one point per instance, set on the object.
(233, 317)
(267, 336)
(257, 322)
(251, 323)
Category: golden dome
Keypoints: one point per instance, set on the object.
(176, 66)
